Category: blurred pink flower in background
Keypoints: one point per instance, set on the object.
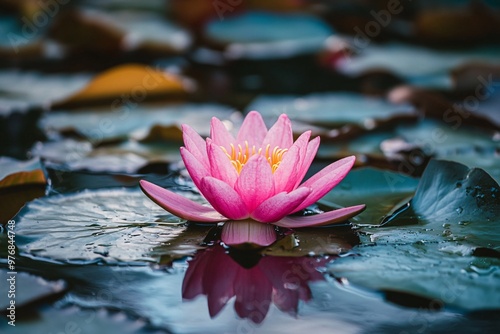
(256, 176)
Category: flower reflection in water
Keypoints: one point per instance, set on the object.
(255, 281)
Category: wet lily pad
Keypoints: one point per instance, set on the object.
(151, 30)
(30, 290)
(426, 247)
(425, 269)
(96, 225)
(489, 160)
(17, 173)
(20, 182)
(441, 138)
(102, 124)
(36, 89)
(318, 241)
(404, 63)
(380, 190)
(465, 202)
(77, 320)
(329, 109)
(256, 34)
(126, 85)
(127, 157)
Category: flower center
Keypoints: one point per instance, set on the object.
(239, 155)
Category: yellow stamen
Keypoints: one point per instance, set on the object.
(239, 155)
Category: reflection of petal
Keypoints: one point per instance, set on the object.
(326, 218)
(253, 294)
(219, 288)
(192, 285)
(179, 205)
(204, 277)
(282, 280)
(290, 277)
(248, 232)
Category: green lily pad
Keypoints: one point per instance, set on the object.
(20, 182)
(432, 270)
(489, 160)
(256, 34)
(332, 109)
(147, 29)
(441, 139)
(427, 247)
(135, 121)
(380, 190)
(30, 289)
(36, 89)
(403, 62)
(465, 202)
(314, 241)
(123, 157)
(112, 226)
(74, 319)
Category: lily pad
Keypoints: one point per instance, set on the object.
(441, 138)
(380, 190)
(403, 62)
(99, 125)
(329, 109)
(126, 157)
(30, 289)
(126, 85)
(318, 241)
(96, 225)
(20, 182)
(74, 319)
(426, 247)
(465, 202)
(431, 270)
(151, 30)
(489, 160)
(17, 173)
(36, 89)
(256, 34)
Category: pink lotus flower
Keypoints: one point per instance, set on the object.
(274, 279)
(255, 176)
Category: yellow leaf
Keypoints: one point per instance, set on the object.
(22, 178)
(20, 182)
(167, 133)
(127, 85)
